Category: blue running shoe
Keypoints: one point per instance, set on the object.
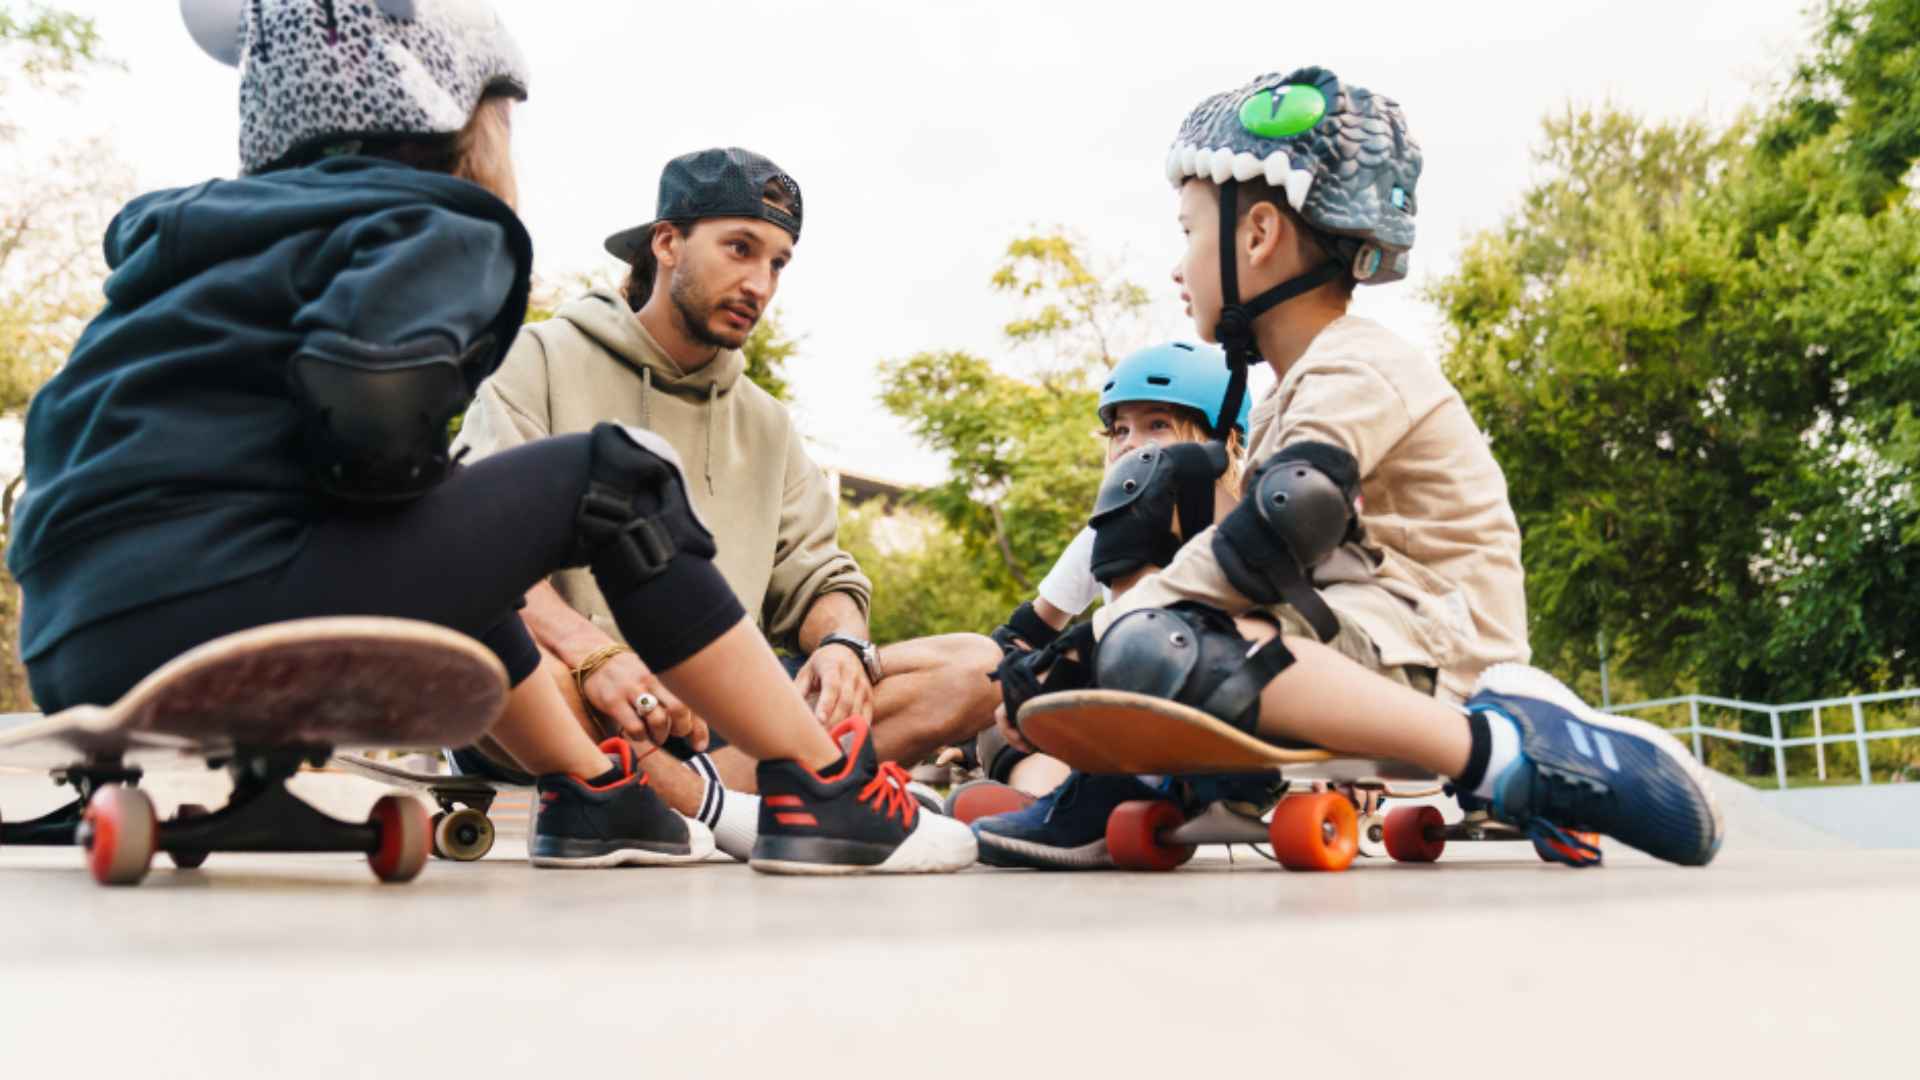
(1581, 769)
(1064, 830)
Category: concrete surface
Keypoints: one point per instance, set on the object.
(1876, 815)
(1772, 962)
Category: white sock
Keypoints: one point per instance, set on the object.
(733, 816)
(1503, 746)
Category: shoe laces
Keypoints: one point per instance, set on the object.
(888, 793)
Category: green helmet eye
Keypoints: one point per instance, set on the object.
(1283, 112)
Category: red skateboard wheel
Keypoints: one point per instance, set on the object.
(1133, 835)
(405, 838)
(1413, 833)
(120, 835)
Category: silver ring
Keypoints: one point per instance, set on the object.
(645, 704)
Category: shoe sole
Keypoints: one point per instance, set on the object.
(937, 845)
(1005, 851)
(1520, 680)
(700, 845)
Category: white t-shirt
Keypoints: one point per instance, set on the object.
(1070, 585)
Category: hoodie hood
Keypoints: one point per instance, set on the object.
(603, 315)
(166, 237)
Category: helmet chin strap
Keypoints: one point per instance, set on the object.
(1234, 331)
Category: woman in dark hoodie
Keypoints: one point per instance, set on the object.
(255, 428)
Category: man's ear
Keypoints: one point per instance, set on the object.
(666, 245)
(1265, 234)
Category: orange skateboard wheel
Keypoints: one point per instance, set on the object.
(1133, 835)
(1320, 831)
(1413, 833)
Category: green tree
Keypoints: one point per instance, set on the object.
(1694, 351)
(1024, 462)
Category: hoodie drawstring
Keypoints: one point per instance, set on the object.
(646, 395)
(713, 418)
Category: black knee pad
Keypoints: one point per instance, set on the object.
(1192, 654)
(635, 516)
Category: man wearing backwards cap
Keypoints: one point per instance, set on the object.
(663, 352)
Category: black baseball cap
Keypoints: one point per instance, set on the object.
(722, 182)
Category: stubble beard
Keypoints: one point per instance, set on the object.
(696, 311)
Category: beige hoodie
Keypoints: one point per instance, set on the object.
(769, 506)
(1437, 582)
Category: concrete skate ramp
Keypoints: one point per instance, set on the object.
(1754, 825)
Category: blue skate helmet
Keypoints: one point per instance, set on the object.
(1177, 373)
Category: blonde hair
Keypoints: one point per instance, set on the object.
(1190, 426)
(481, 152)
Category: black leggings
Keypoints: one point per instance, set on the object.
(463, 556)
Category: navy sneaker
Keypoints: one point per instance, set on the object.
(1065, 829)
(1581, 769)
(860, 817)
(615, 819)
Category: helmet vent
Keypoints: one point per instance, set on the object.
(1159, 380)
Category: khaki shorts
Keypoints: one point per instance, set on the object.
(1353, 643)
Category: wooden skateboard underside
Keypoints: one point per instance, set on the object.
(1116, 731)
(354, 681)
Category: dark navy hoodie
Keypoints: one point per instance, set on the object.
(164, 458)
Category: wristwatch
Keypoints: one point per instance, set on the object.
(869, 656)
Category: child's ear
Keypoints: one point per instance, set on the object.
(217, 26)
(1266, 230)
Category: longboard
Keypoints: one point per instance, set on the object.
(261, 702)
(1120, 732)
(462, 830)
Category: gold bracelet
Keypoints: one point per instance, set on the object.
(595, 660)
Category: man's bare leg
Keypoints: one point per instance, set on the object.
(936, 693)
(1325, 699)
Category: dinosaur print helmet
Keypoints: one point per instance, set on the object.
(1348, 167)
(1340, 152)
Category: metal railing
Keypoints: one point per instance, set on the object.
(1860, 736)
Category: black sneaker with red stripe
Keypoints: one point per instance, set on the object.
(857, 816)
(614, 819)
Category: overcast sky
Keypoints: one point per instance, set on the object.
(927, 135)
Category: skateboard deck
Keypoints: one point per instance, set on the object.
(261, 702)
(462, 829)
(1120, 732)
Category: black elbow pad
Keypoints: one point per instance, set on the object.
(1299, 507)
(1133, 517)
(375, 419)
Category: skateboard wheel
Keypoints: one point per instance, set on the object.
(984, 798)
(188, 859)
(121, 828)
(405, 835)
(1133, 835)
(1554, 851)
(463, 836)
(434, 823)
(1373, 836)
(1315, 832)
(1413, 833)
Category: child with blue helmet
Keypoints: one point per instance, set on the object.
(1162, 395)
(1368, 582)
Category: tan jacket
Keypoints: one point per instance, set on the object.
(1437, 582)
(770, 508)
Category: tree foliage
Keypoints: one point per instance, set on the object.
(1694, 351)
(1023, 460)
